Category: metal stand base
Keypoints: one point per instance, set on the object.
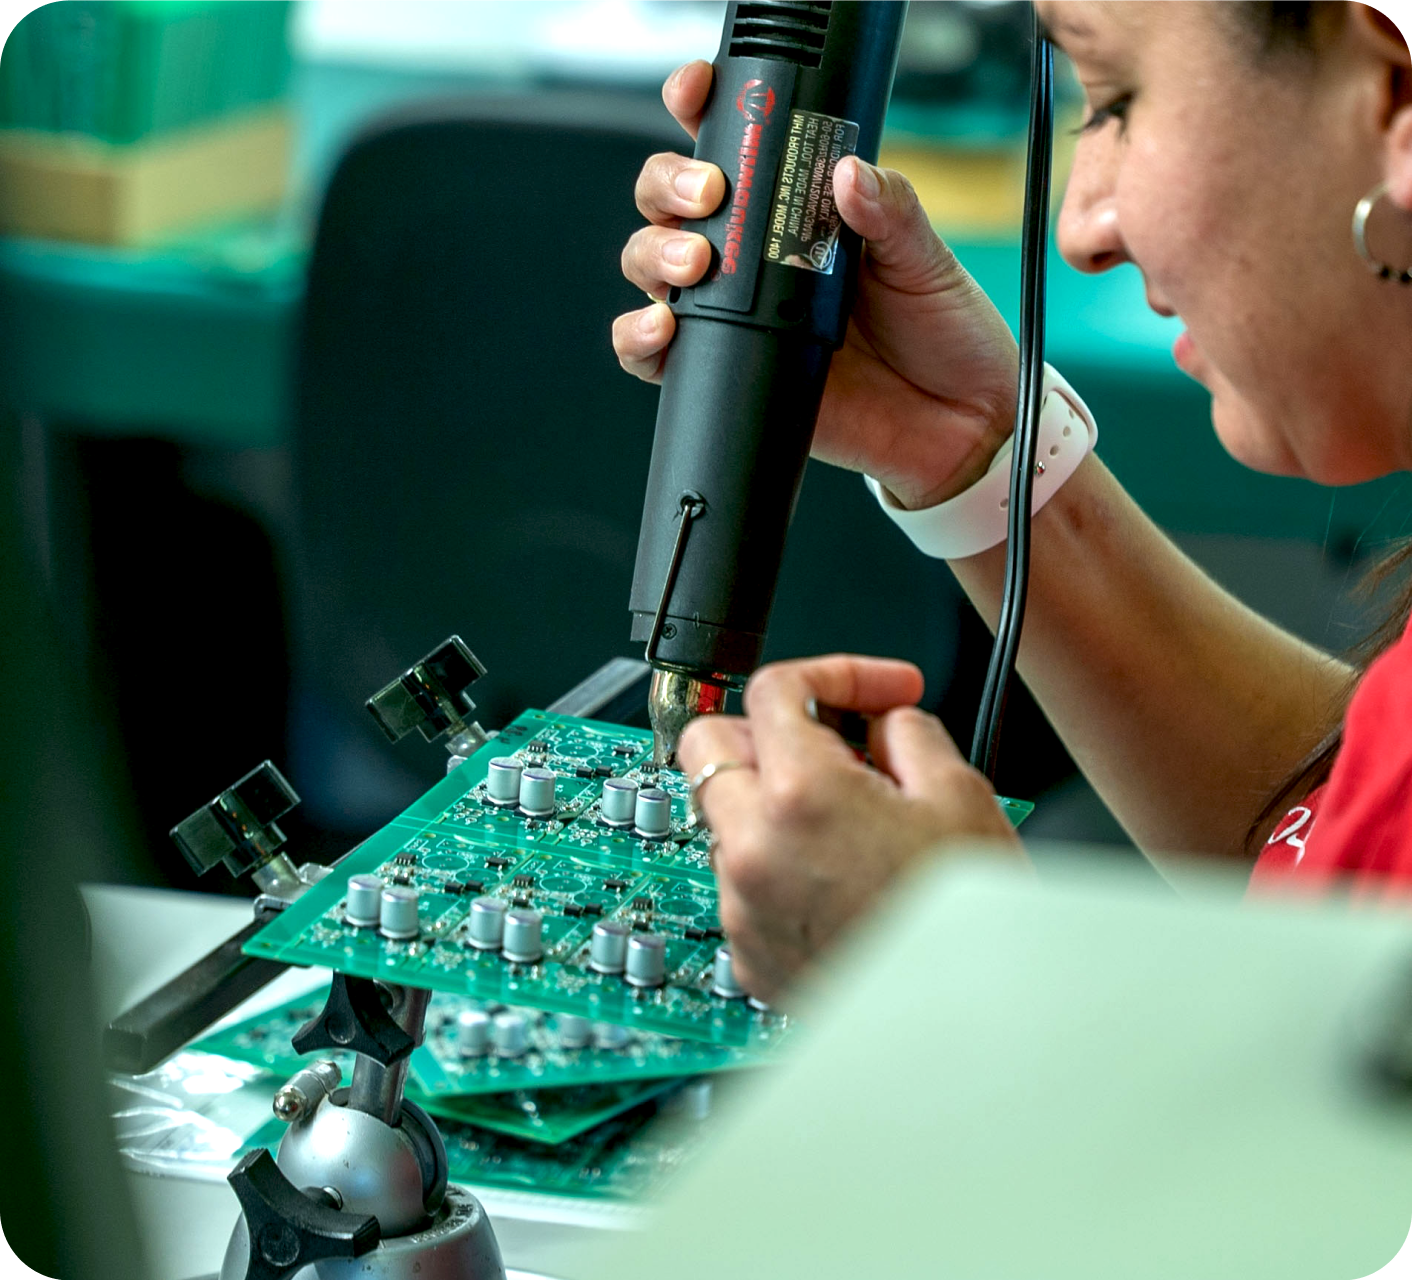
(459, 1243)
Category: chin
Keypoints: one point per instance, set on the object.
(1254, 444)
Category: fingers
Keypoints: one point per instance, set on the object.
(904, 252)
(720, 740)
(656, 258)
(715, 738)
(914, 748)
(641, 338)
(777, 699)
(686, 93)
(672, 188)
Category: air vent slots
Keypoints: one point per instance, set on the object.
(785, 30)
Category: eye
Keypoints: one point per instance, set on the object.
(1100, 116)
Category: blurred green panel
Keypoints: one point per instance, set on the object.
(121, 70)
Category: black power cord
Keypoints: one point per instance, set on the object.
(1034, 255)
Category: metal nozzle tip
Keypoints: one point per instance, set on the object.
(674, 700)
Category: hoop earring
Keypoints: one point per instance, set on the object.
(1361, 212)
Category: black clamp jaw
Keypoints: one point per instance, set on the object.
(355, 1018)
(288, 1228)
(431, 697)
(238, 828)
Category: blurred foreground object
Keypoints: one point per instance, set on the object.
(126, 121)
(1086, 1076)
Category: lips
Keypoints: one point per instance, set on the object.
(1184, 352)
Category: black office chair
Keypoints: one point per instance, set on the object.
(469, 456)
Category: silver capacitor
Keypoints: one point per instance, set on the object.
(397, 918)
(723, 979)
(537, 787)
(364, 900)
(610, 1036)
(524, 935)
(502, 781)
(652, 813)
(472, 1033)
(647, 960)
(608, 947)
(487, 924)
(509, 1034)
(619, 807)
(574, 1032)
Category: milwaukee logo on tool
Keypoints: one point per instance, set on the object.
(755, 103)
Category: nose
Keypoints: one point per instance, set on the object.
(1089, 236)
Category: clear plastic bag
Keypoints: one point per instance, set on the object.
(191, 1115)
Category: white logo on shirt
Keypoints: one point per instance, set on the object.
(1301, 818)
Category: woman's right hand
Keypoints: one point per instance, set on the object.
(922, 393)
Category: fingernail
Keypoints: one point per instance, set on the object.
(649, 320)
(865, 180)
(691, 184)
(677, 250)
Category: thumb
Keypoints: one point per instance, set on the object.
(913, 747)
(904, 252)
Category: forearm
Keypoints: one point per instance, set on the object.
(1183, 707)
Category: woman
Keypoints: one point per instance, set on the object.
(1186, 711)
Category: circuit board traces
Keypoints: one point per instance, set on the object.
(455, 844)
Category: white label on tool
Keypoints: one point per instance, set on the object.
(804, 223)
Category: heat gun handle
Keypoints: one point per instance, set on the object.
(734, 426)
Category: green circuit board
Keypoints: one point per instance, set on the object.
(439, 1068)
(452, 845)
(546, 1115)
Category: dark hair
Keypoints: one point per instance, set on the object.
(1299, 26)
(1289, 26)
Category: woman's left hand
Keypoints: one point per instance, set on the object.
(807, 833)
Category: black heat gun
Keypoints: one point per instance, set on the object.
(797, 87)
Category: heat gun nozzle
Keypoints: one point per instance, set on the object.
(674, 699)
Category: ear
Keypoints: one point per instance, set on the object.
(1381, 38)
(1374, 24)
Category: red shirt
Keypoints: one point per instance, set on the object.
(1357, 828)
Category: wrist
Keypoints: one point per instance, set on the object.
(915, 495)
(976, 519)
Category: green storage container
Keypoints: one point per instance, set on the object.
(123, 70)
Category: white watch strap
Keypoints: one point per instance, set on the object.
(977, 518)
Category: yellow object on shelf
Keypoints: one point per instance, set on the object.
(74, 187)
(970, 193)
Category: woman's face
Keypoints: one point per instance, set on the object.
(1229, 178)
